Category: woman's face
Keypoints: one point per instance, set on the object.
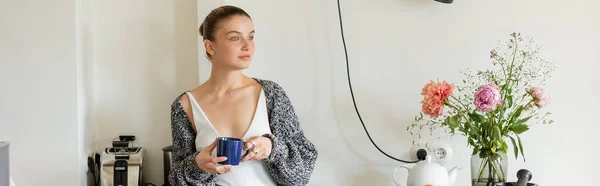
(233, 46)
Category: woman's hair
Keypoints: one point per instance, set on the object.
(208, 28)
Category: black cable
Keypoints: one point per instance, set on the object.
(352, 93)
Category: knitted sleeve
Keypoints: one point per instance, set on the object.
(184, 171)
(293, 157)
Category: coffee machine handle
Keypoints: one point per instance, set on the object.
(394, 174)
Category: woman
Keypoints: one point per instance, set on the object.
(231, 104)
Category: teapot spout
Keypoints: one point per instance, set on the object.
(452, 174)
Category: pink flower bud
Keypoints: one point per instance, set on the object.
(540, 98)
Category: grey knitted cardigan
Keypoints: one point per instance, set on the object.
(292, 159)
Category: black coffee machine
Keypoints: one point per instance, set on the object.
(121, 164)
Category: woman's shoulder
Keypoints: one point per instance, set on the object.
(177, 104)
(276, 96)
(270, 86)
(178, 98)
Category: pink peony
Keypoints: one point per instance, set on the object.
(540, 97)
(434, 95)
(487, 97)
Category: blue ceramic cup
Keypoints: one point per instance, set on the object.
(232, 149)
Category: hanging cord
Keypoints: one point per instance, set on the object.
(352, 93)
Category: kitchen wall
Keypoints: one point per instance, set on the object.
(76, 74)
(39, 98)
(144, 56)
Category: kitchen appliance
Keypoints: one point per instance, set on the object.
(167, 162)
(427, 173)
(121, 164)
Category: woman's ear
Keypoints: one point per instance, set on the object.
(208, 45)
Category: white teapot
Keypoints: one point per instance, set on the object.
(427, 173)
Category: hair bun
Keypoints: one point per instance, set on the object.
(201, 29)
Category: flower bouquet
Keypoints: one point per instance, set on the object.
(493, 106)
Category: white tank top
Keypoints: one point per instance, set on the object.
(253, 172)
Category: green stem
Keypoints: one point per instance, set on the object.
(458, 110)
(461, 103)
(498, 173)
(482, 167)
(495, 170)
(502, 66)
(519, 75)
(489, 173)
(530, 101)
(512, 63)
(501, 176)
(520, 99)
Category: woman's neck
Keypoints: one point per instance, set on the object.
(222, 82)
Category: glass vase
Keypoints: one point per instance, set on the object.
(488, 168)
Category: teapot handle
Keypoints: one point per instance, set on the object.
(394, 174)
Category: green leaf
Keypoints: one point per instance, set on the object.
(485, 154)
(521, 148)
(475, 150)
(504, 128)
(522, 121)
(519, 128)
(503, 146)
(497, 134)
(454, 121)
(477, 117)
(510, 100)
(471, 142)
(516, 114)
(446, 122)
(474, 131)
(516, 148)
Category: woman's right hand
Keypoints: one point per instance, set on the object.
(210, 164)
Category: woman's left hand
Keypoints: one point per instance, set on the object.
(260, 148)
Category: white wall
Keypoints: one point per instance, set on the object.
(87, 72)
(39, 97)
(84, 37)
(396, 46)
(144, 56)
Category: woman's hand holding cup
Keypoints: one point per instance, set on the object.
(260, 148)
(210, 164)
